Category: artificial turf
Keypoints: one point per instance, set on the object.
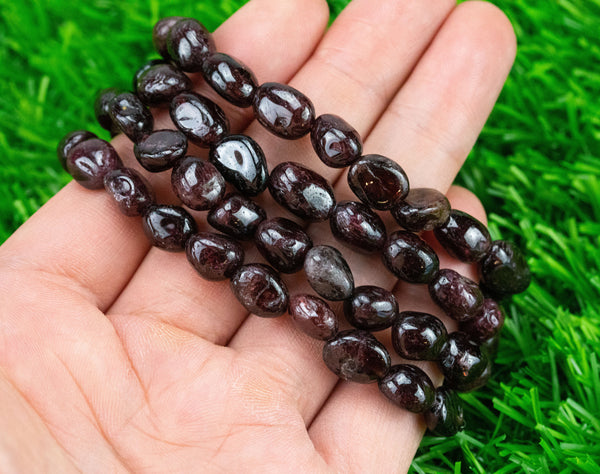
(536, 167)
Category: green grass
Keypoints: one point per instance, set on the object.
(536, 167)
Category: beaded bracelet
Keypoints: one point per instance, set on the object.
(379, 183)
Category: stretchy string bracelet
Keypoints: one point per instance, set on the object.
(379, 183)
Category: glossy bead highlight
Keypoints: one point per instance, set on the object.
(189, 43)
(409, 387)
(422, 209)
(168, 227)
(371, 308)
(459, 296)
(464, 237)
(231, 79)
(357, 226)
(236, 216)
(160, 150)
(130, 190)
(409, 257)
(335, 141)
(90, 161)
(201, 120)
(313, 316)
(197, 183)
(215, 257)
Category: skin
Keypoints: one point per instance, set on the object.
(117, 357)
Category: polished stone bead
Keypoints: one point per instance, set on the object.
(197, 183)
(160, 33)
(102, 103)
(328, 273)
(237, 216)
(335, 141)
(168, 227)
(69, 141)
(90, 161)
(378, 181)
(231, 79)
(214, 256)
(486, 323)
(283, 110)
(160, 150)
(445, 417)
(357, 226)
(283, 243)
(422, 209)
(203, 122)
(189, 43)
(356, 356)
(242, 163)
(409, 257)
(504, 270)
(130, 190)
(147, 65)
(131, 116)
(418, 336)
(260, 290)
(408, 387)
(302, 191)
(461, 361)
(464, 237)
(458, 296)
(481, 380)
(371, 308)
(313, 316)
(159, 83)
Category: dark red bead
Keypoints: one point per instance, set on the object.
(102, 103)
(335, 141)
(464, 237)
(203, 122)
(481, 380)
(283, 243)
(458, 296)
(283, 110)
(504, 270)
(231, 79)
(313, 316)
(418, 336)
(422, 209)
(357, 226)
(213, 256)
(409, 257)
(461, 361)
(90, 161)
(328, 273)
(302, 191)
(158, 83)
(197, 183)
(237, 216)
(160, 150)
(168, 227)
(378, 181)
(130, 190)
(371, 308)
(408, 387)
(356, 356)
(445, 417)
(160, 33)
(189, 43)
(131, 116)
(486, 323)
(143, 69)
(69, 141)
(260, 290)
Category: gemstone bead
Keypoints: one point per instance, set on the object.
(302, 191)
(260, 290)
(189, 43)
(504, 270)
(357, 226)
(197, 183)
(69, 141)
(147, 65)
(242, 163)
(102, 103)
(160, 150)
(335, 141)
(486, 323)
(409, 257)
(418, 336)
(90, 160)
(231, 79)
(422, 209)
(481, 380)
(160, 33)
(328, 273)
(461, 361)
(378, 181)
(463, 237)
(131, 116)
(408, 387)
(445, 417)
(130, 190)
(283, 110)
(215, 257)
(168, 227)
(313, 316)
(371, 308)
(356, 356)
(283, 243)
(203, 122)
(458, 296)
(237, 216)
(158, 83)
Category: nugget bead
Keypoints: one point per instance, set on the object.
(200, 119)
(90, 160)
(504, 270)
(408, 387)
(189, 43)
(197, 183)
(371, 308)
(357, 226)
(461, 362)
(328, 273)
(130, 190)
(458, 296)
(283, 243)
(231, 79)
(160, 150)
(409, 257)
(422, 209)
(313, 316)
(102, 103)
(486, 323)
(260, 290)
(445, 417)
(335, 141)
(158, 83)
(236, 216)
(464, 237)
(418, 336)
(168, 227)
(160, 33)
(213, 256)
(69, 141)
(131, 116)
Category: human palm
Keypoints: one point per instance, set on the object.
(117, 357)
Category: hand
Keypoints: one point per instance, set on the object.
(116, 356)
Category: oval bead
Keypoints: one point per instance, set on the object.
(486, 323)
(102, 103)
(189, 43)
(260, 290)
(371, 308)
(302, 191)
(242, 163)
(335, 141)
(69, 141)
(445, 417)
(237, 216)
(160, 150)
(378, 181)
(328, 273)
(504, 270)
(357, 226)
(90, 161)
(283, 110)
(168, 227)
(481, 380)
(408, 387)
(356, 356)
(418, 336)
(458, 296)
(197, 183)
(461, 361)
(160, 33)
(158, 83)
(313, 316)
(283, 243)
(130, 190)
(201, 120)
(409, 257)
(215, 257)
(463, 237)
(422, 209)
(231, 79)
(131, 116)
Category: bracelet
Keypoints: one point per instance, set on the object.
(464, 356)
